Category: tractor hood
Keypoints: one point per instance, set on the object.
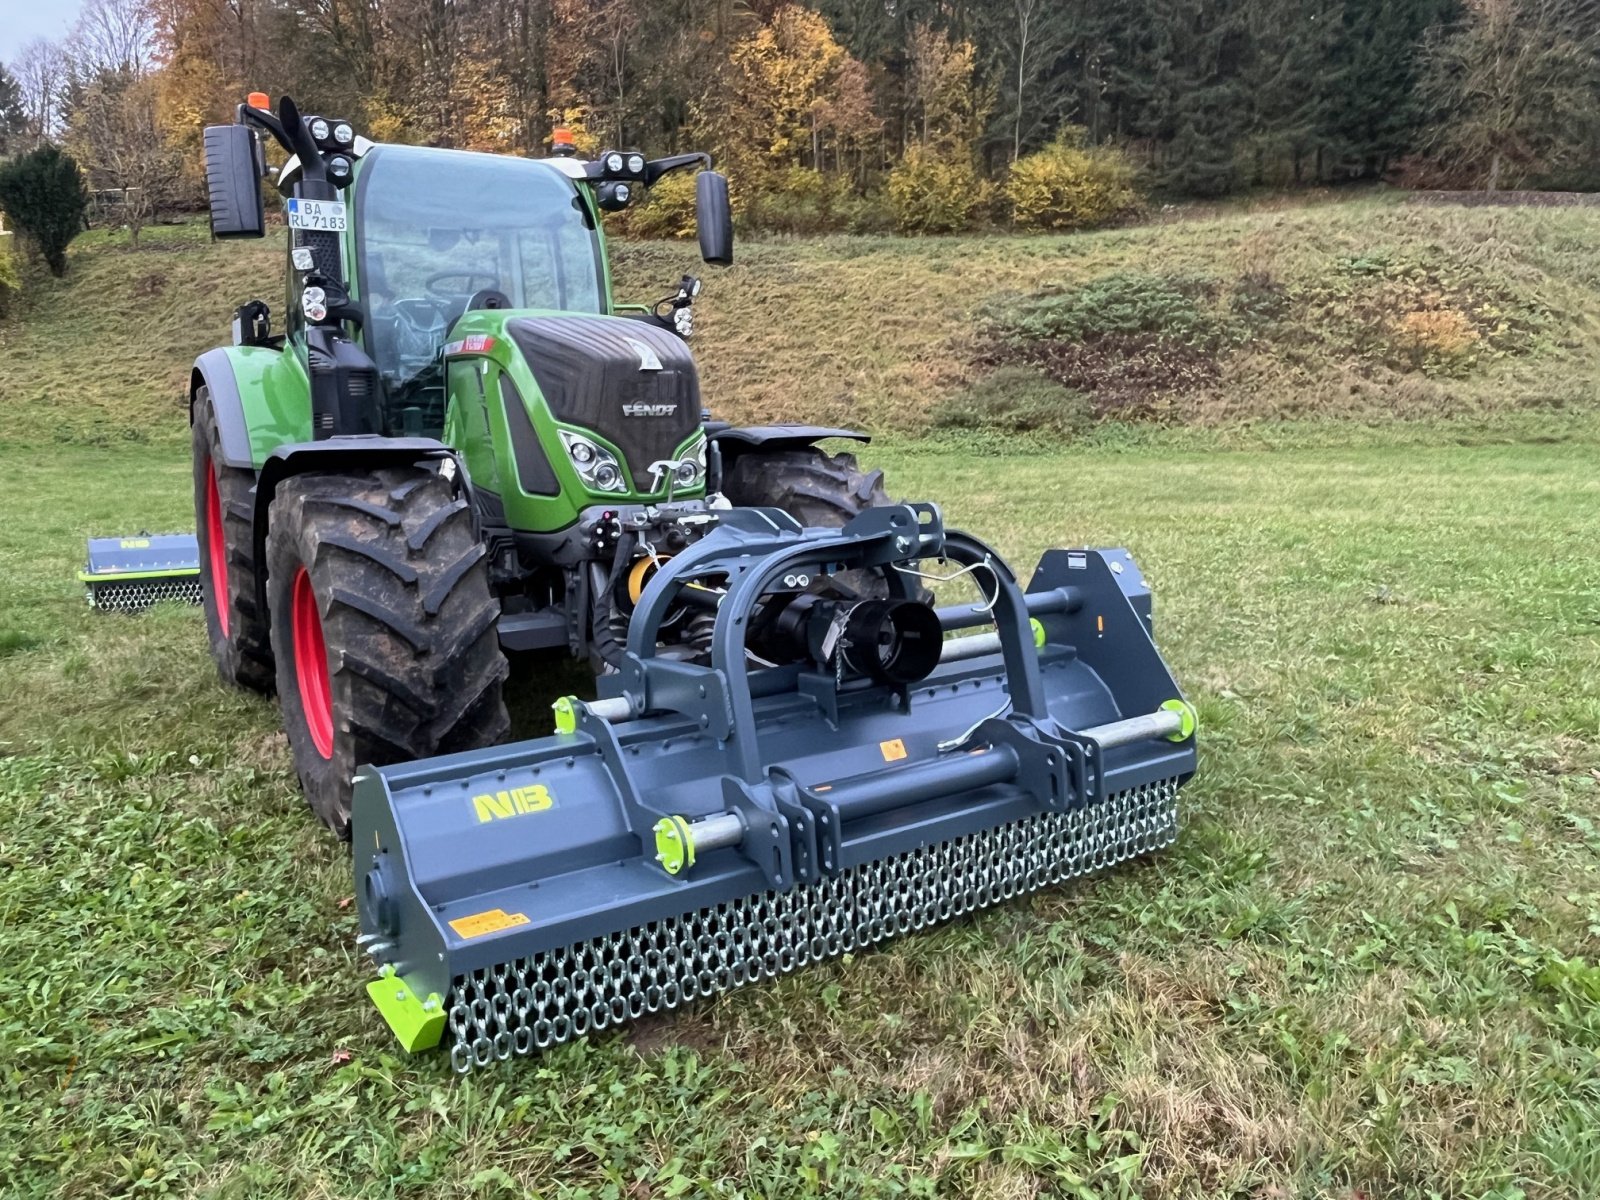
(632, 382)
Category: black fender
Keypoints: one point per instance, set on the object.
(733, 439)
(356, 453)
(728, 442)
(214, 369)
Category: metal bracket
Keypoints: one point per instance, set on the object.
(1054, 765)
(664, 684)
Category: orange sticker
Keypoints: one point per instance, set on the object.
(493, 921)
(893, 750)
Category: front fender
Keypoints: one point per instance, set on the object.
(734, 439)
(260, 398)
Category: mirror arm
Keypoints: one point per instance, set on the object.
(244, 114)
(657, 167)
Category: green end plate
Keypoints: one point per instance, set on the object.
(1189, 720)
(417, 1027)
(674, 845)
(566, 710)
(1038, 632)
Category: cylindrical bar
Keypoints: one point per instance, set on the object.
(715, 832)
(1056, 600)
(976, 646)
(615, 709)
(949, 775)
(1136, 729)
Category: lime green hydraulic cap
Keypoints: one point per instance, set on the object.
(566, 710)
(417, 1024)
(674, 844)
(1188, 719)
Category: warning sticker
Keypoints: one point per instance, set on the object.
(493, 921)
(893, 750)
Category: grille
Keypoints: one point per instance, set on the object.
(136, 595)
(534, 1003)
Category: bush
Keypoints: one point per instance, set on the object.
(1438, 341)
(10, 282)
(666, 212)
(794, 200)
(43, 194)
(932, 193)
(1065, 186)
(1171, 308)
(1017, 399)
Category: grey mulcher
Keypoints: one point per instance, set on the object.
(707, 825)
(129, 574)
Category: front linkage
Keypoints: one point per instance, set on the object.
(702, 826)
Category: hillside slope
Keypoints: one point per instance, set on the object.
(1357, 309)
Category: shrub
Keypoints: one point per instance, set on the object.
(43, 194)
(1438, 341)
(1171, 308)
(1017, 399)
(933, 193)
(1066, 186)
(796, 200)
(10, 282)
(666, 212)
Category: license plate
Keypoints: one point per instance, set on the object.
(325, 215)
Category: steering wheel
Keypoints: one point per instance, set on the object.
(467, 275)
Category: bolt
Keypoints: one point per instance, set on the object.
(902, 544)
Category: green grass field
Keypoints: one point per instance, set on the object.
(1366, 969)
(1370, 967)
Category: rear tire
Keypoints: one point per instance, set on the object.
(224, 512)
(383, 627)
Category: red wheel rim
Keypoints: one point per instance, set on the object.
(216, 548)
(311, 663)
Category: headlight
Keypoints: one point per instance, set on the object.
(343, 134)
(319, 129)
(614, 163)
(636, 164)
(596, 466)
(687, 474)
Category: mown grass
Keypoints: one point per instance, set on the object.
(1368, 967)
(888, 332)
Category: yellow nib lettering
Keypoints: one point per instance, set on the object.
(497, 806)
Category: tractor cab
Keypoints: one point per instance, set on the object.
(392, 247)
(437, 233)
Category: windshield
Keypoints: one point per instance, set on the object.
(436, 227)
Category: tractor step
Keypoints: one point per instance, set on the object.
(130, 574)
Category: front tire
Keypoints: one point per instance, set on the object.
(223, 515)
(383, 627)
(813, 487)
(817, 489)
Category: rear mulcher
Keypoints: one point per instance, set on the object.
(708, 824)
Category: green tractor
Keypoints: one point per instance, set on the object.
(458, 443)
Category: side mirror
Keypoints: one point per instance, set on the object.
(713, 217)
(233, 177)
